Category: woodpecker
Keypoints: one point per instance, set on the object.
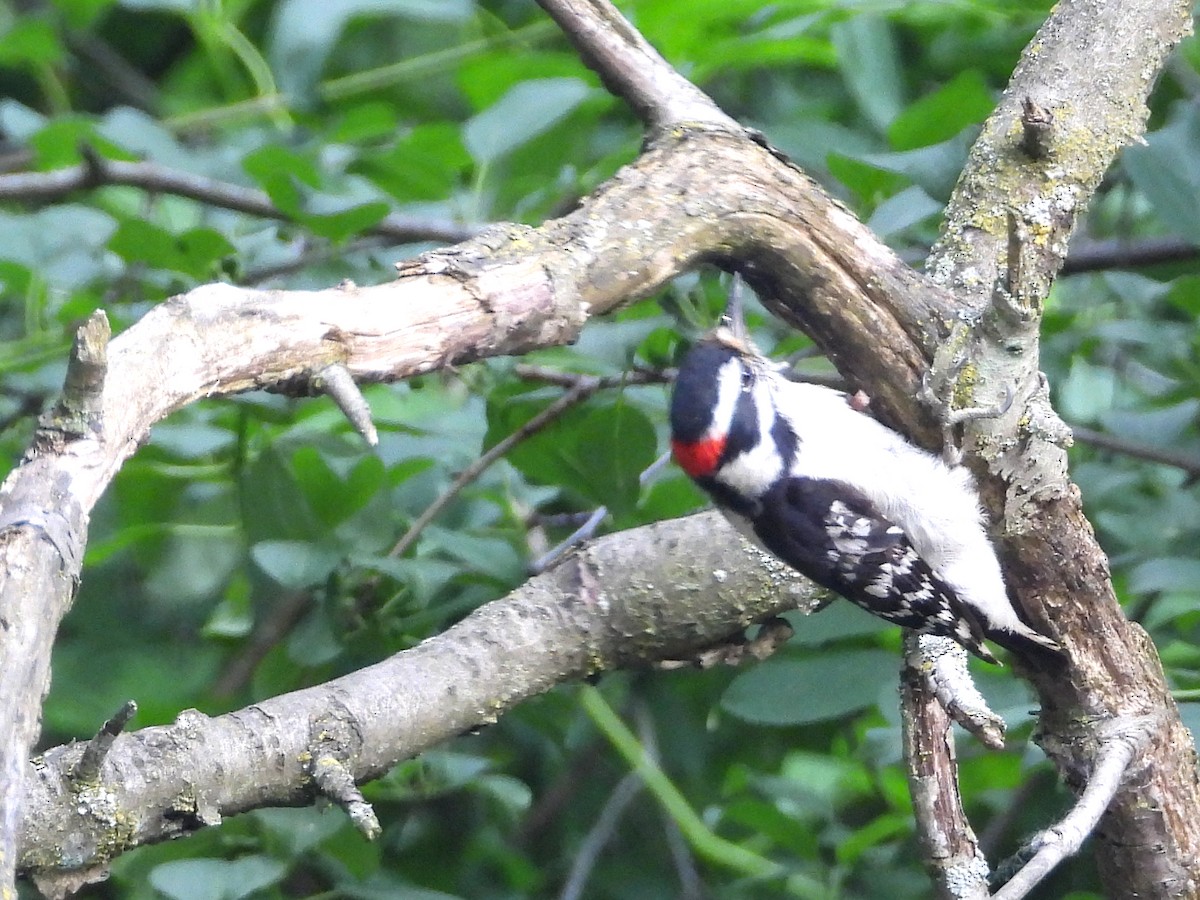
(801, 471)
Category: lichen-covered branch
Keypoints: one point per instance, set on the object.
(1082, 86)
(702, 191)
(510, 290)
(662, 591)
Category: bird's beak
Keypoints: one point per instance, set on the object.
(734, 316)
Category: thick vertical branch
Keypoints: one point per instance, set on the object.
(1085, 78)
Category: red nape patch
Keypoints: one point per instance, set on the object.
(699, 458)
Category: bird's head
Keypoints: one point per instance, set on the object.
(714, 405)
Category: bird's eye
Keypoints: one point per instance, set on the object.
(747, 379)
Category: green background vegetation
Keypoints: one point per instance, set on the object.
(243, 551)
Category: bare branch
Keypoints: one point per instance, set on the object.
(587, 530)
(622, 601)
(283, 616)
(1121, 742)
(1101, 440)
(951, 850)
(149, 176)
(335, 380)
(943, 662)
(1092, 256)
(599, 835)
(511, 289)
(631, 68)
(1091, 65)
(583, 389)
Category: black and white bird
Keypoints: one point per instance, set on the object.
(839, 496)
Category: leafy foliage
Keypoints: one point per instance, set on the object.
(248, 543)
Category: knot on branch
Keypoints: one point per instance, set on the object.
(942, 662)
(336, 381)
(78, 411)
(1037, 130)
(87, 769)
(332, 740)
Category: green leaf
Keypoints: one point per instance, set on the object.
(138, 241)
(490, 556)
(304, 33)
(612, 447)
(426, 164)
(278, 171)
(61, 141)
(295, 564)
(939, 116)
(874, 833)
(178, 6)
(870, 183)
(82, 13)
(195, 564)
(299, 831)
(526, 111)
(351, 219)
(424, 577)
(813, 689)
(1088, 391)
(909, 207)
(216, 879)
(201, 251)
(365, 121)
(195, 252)
(18, 121)
(1190, 714)
(934, 168)
(488, 76)
(315, 641)
(30, 42)
(598, 451)
(870, 64)
(1166, 574)
(273, 506)
(233, 617)
(1164, 170)
(836, 622)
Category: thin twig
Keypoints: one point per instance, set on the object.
(599, 835)
(543, 815)
(583, 388)
(97, 171)
(703, 840)
(588, 529)
(570, 379)
(283, 617)
(336, 381)
(951, 849)
(310, 256)
(1118, 750)
(685, 862)
(1185, 461)
(1038, 782)
(117, 76)
(88, 768)
(1120, 253)
(631, 68)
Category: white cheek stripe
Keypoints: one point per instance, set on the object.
(753, 471)
(729, 388)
